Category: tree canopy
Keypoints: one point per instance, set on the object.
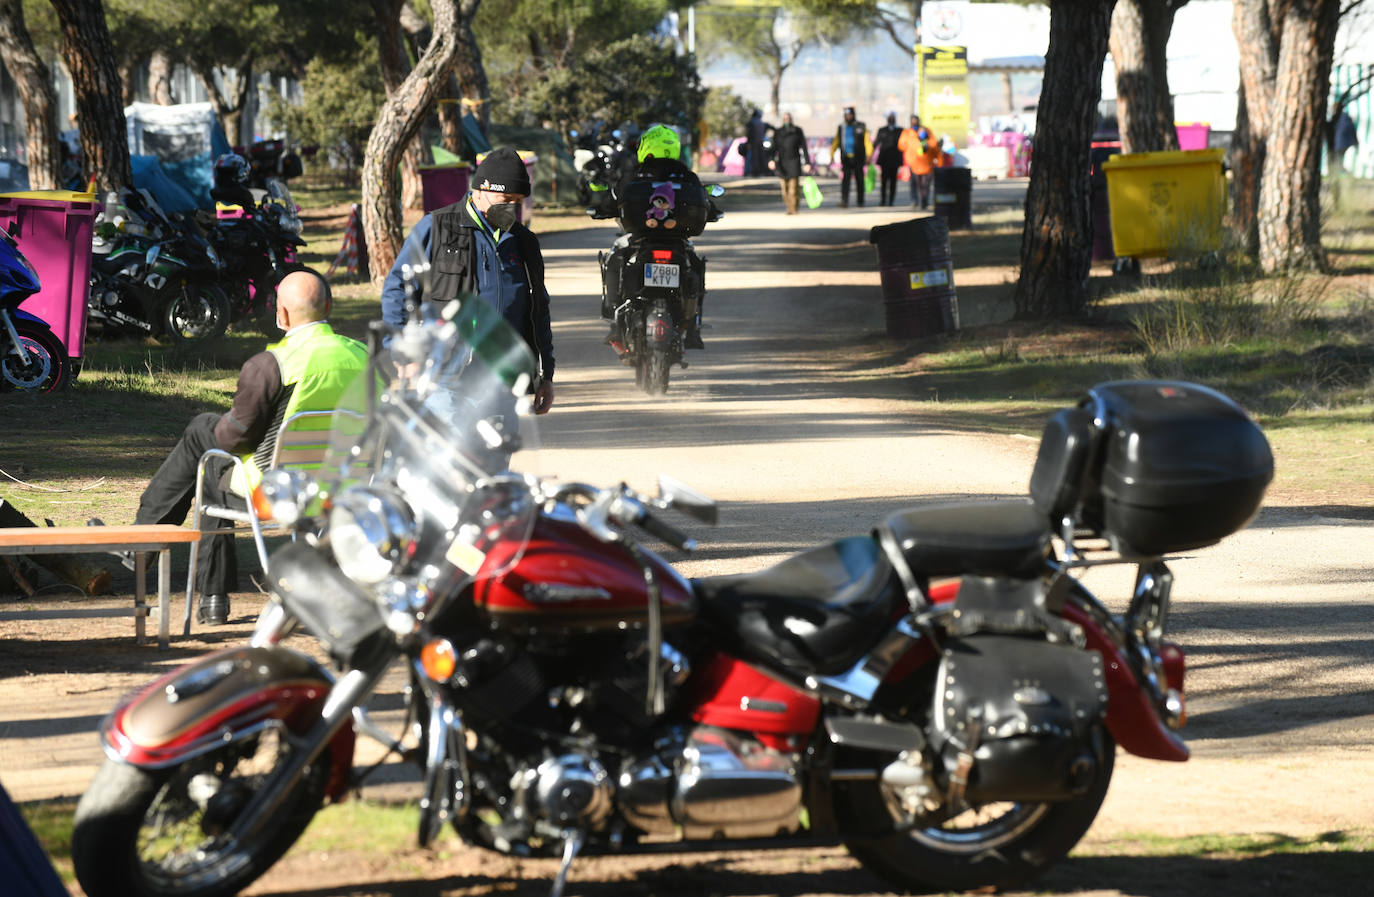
(639, 79)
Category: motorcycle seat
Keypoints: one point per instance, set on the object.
(988, 538)
(817, 612)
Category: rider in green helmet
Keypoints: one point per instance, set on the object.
(659, 155)
(659, 142)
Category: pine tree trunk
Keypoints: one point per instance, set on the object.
(1056, 245)
(225, 114)
(160, 78)
(451, 119)
(1136, 120)
(1290, 187)
(395, 65)
(1159, 24)
(397, 123)
(1259, 58)
(1144, 108)
(90, 60)
(243, 83)
(467, 66)
(1247, 163)
(31, 82)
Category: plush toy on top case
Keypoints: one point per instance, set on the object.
(661, 203)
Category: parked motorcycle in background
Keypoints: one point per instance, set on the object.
(32, 358)
(270, 160)
(599, 160)
(154, 276)
(943, 694)
(258, 243)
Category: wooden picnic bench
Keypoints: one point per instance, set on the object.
(140, 539)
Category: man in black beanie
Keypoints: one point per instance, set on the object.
(478, 245)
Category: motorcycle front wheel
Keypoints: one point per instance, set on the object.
(999, 845)
(48, 369)
(197, 313)
(164, 833)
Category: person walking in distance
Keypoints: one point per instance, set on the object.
(854, 146)
(791, 157)
(889, 159)
(914, 148)
(756, 132)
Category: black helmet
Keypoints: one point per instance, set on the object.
(231, 168)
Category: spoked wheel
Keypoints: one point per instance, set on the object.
(1000, 845)
(165, 833)
(199, 312)
(47, 369)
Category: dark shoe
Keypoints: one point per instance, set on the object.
(693, 340)
(213, 610)
(125, 557)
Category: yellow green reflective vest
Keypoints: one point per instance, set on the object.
(317, 365)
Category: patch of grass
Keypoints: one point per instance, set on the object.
(360, 827)
(353, 827)
(51, 822)
(1244, 846)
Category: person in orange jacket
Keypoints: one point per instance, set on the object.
(922, 154)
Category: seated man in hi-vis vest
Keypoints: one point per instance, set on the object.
(307, 371)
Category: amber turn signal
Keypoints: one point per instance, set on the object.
(439, 659)
(262, 505)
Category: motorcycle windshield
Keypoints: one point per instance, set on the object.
(441, 420)
(279, 195)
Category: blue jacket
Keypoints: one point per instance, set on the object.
(498, 270)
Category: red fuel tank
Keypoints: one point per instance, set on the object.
(568, 579)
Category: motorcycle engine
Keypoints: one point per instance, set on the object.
(714, 783)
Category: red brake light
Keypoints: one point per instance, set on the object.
(663, 255)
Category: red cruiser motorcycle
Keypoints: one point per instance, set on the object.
(943, 695)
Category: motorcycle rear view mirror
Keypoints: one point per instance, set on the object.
(684, 498)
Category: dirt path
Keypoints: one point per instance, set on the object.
(790, 420)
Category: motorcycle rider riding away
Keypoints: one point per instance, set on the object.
(658, 154)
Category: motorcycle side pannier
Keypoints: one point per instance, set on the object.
(1166, 466)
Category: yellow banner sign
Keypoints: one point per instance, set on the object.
(944, 101)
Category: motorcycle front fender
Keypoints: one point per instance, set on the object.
(18, 314)
(224, 697)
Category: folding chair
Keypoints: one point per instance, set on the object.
(302, 440)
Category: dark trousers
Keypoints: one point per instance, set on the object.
(852, 167)
(920, 189)
(168, 500)
(887, 193)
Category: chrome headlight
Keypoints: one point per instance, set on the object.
(372, 533)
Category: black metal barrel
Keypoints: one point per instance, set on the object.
(917, 274)
(953, 188)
